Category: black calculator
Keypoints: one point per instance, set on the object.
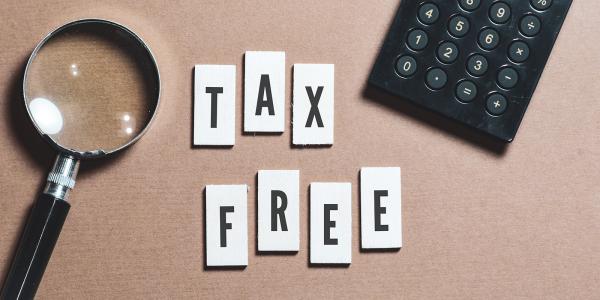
(475, 61)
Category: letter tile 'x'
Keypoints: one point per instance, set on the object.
(314, 106)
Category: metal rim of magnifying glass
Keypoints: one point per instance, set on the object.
(98, 152)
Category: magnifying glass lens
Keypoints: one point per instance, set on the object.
(92, 87)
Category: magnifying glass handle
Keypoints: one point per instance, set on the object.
(41, 232)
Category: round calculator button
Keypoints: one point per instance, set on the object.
(518, 52)
(417, 39)
(477, 65)
(496, 104)
(469, 5)
(466, 91)
(447, 52)
(458, 26)
(429, 13)
(541, 4)
(530, 25)
(500, 12)
(406, 66)
(508, 78)
(489, 39)
(436, 78)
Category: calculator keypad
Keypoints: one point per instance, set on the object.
(447, 52)
(469, 5)
(518, 51)
(489, 39)
(417, 39)
(474, 61)
(466, 91)
(541, 4)
(496, 104)
(429, 13)
(477, 65)
(436, 78)
(458, 26)
(530, 25)
(406, 66)
(508, 78)
(500, 13)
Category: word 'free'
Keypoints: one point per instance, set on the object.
(278, 214)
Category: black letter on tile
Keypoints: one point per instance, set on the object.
(314, 106)
(379, 210)
(224, 224)
(214, 92)
(278, 210)
(265, 86)
(328, 224)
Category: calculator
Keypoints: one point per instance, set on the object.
(474, 61)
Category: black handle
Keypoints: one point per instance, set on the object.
(43, 227)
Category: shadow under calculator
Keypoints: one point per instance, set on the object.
(436, 120)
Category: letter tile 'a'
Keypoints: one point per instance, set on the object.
(264, 91)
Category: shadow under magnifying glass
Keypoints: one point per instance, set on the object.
(38, 151)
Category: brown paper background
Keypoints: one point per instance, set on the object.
(480, 220)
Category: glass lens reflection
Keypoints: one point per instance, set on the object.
(92, 86)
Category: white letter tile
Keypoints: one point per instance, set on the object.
(330, 223)
(381, 208)
(278, 197)
(264, 91)
(226, 225)
(313, 106)
(214, 125)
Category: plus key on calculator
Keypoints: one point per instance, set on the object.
(474, 61)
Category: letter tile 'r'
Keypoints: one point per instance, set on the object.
(278, 210)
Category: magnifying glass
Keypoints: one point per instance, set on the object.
(91, 88)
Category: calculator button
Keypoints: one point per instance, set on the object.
(508, 78)
(500, 12)
(406, 66)
(530, 25)
(429, 13)
(417, 39)
(466, 91)
(458, 26)
(447, 52)
(541, 4)
(477, 65)
(436, 78)
(489, 39)
(496, 104)
(469, 5)
(518, 52)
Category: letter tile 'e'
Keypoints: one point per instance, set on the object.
(330, 223)
(278, 210)
(380, 208)
(264, 92)
(226, 225)
(313, 111)
(214, 105)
